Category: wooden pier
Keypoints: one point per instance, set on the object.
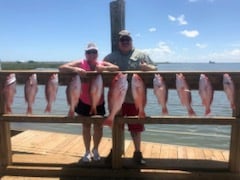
(38, 154)
(57, 155)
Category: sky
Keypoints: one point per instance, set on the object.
(167, 30)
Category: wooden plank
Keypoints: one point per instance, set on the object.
(155, 152)
(5, 144)
(78, 147)
(129, 150)
(120, 120)
(164, 153)
(192, 78)
(234, 159)
(208, 154)
(199, 154)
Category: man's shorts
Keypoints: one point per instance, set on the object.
(129, 109)
(84, 109)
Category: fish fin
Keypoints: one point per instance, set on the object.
(108, 122)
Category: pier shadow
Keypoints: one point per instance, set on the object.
(154, 169)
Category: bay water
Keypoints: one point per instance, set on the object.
(211, 136)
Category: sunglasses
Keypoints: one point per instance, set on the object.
(125, 39)
(91, 52)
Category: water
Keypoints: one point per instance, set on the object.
(212, 136)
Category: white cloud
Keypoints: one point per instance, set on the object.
(171, 18)
(138, 35)
(160, 53)
(152, 29)
(235, 52)
(201, 46)
(180, 19)
(190, 34)
(192, 1)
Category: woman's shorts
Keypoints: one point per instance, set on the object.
(84, 109)
(129, 109)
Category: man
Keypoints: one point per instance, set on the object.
(127, 58)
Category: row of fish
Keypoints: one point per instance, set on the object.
(30, 91)
(205, 91)
(117, 93)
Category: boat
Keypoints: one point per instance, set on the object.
(211, 62)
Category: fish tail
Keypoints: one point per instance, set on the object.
(207, 111)
(191, 112)
(141, 114)
(233, 106)
(164, 111)
(93, 111)
(8, 110)
(108, 122)
(71, 113)
(48, 108)
(29, 110)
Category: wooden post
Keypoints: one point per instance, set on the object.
(117, 14)
(5, 134)
(234, 156)
(118, 140)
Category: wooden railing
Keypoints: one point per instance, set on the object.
(117, 131)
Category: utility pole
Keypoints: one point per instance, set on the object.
(117, 15)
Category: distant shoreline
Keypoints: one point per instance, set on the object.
(29, 65)
(19, 65)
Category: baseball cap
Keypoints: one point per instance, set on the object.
(124, 33)
(91, 46)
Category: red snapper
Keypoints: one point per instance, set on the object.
(116, 96)
(184, 93)
(30, 91)
(161, 92)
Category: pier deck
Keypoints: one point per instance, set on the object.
(56, 155)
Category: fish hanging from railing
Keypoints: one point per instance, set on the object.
(30, 91)
(9, 92)
(161, 92)
(184, 93)
(206, 93)
(229, 89)
(51, 89)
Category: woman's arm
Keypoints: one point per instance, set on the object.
(73, 66)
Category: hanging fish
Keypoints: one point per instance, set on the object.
(206, 92)
(228, 87)
(30, 91)
(161, 92)
(73, 92)
(116, 96)
(184, 93)
(9, 92)
(51, 89)
(139, 94)
(96, 92)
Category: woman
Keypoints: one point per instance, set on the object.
(89, 63)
